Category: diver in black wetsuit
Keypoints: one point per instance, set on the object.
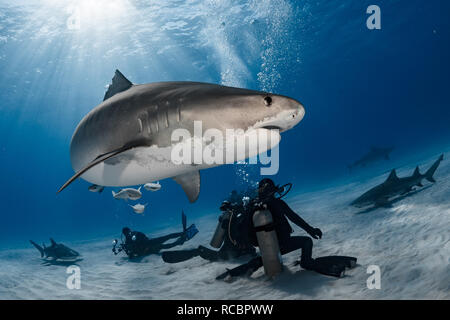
(236, 242)
(136, 244)
(281, 212)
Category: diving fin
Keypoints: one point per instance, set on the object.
(103, 157)
(41, 250)
(334, 270)
(183, 220)
(242, 270)
(348, 262)
(190, 232)
(179, 255)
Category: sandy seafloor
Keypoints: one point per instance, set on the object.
(408, 241)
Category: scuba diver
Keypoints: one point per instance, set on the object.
(231, 237)
(271, 232)
(136, 244)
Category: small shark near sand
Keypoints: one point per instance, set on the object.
(394, 186)
(56, 251)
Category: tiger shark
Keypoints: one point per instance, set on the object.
(127, 139)
(55, 251)
(395, 186)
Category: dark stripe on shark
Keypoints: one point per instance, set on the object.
(104, 157)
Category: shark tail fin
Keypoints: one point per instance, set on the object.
(430, 172)
(41, 250)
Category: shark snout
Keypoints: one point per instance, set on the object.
(292, 112)
(293, 116)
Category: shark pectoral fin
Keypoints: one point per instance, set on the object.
(190, 182)
(119, 84)
(103, 157)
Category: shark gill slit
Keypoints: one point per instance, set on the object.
(140, 125)
(157, 118)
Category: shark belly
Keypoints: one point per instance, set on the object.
(134, 167)
(142, 164)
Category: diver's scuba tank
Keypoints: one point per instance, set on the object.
(267, 242)
(219, 234)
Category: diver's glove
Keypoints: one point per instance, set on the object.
(316, 233)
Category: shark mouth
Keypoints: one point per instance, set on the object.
(271, 127)
(283, 121)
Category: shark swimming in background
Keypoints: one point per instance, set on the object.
(126, 140)
(55, 251)
(375, 154)
(394, 186)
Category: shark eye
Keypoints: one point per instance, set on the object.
(268, 101)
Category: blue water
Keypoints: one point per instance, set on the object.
(360, 88)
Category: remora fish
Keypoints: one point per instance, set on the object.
(395, 186)
(96, 188)
(152, 186)
(139, 208)
(128, 193)
(126, 140)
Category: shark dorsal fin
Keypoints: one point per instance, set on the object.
(190, 182)
(392, 176)
(416, 172)
(119, 84)
(53, 242)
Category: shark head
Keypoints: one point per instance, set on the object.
(278, 112)
(232, 108)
